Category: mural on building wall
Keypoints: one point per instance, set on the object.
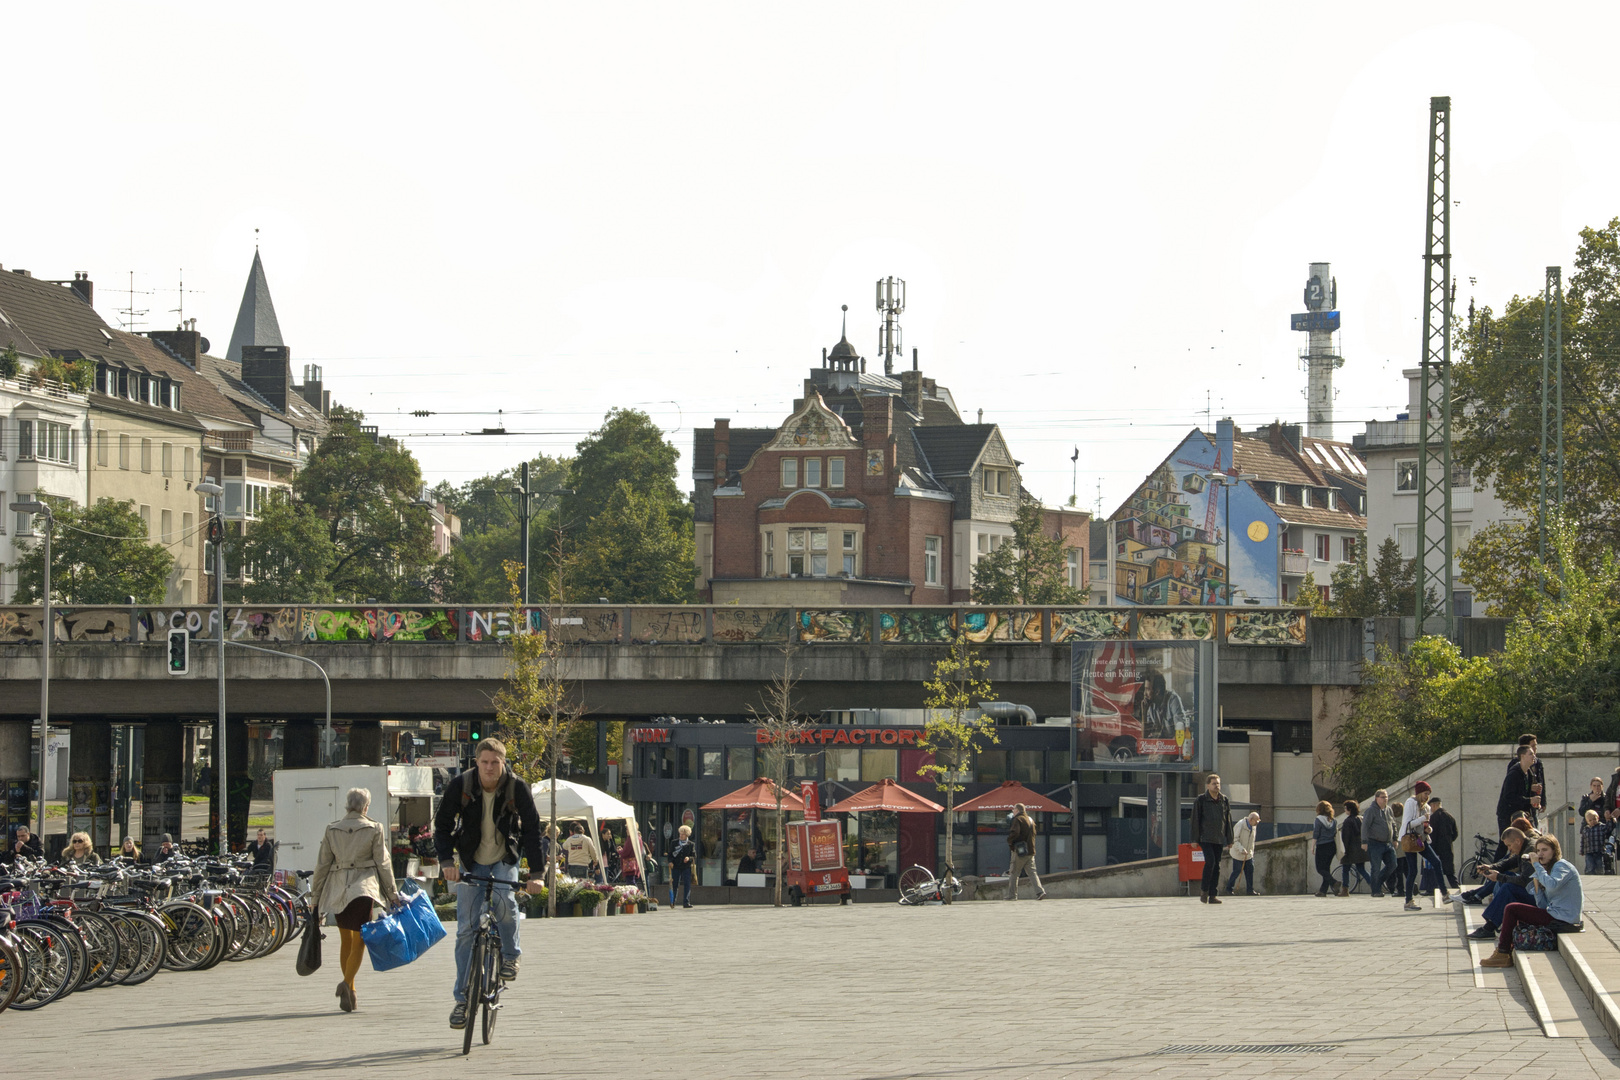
(830, 627)
(921, 626)
(493, 624)
(416, 624)
(676, 625)
(91, 624)
(1169, 538)
(241, 623)
(742, 624)
(336, 624)
(586, 625)
(1266, 627)
(1175, 625)
(1092, 624)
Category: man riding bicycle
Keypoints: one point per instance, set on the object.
(486, 817)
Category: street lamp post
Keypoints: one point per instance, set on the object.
(216, 533)
(43, 509)
(526, 493)
(1229, 481)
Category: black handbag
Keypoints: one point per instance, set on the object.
(309, 946)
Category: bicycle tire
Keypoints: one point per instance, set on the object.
(492, 997)
(77, 943)
(475, 993)
(190, 935)
(914, 877)
(154, 947)
(11, 974)
(50, 970)
(131, 945)
(102, 937)
(1470, 870)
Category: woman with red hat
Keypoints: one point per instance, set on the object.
(1414, 839)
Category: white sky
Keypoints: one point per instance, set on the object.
(1101, 215)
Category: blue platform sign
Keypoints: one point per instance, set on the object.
(1314, 320)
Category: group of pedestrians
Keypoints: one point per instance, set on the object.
(1395, 848)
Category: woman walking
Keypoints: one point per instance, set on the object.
(1323, 833)
(1243, 836)
(1415, 843)
(1355, 850)
(352, 873)
(1211, 831)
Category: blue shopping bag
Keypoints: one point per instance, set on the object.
(387, 943)
(423, 928)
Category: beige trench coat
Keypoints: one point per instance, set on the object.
(354, 862)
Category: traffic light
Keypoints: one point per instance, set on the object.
(179, 652)
(475, 734)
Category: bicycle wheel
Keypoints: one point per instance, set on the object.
(914, 877)
(11, 974)
(102, 937)
(1469, 871)
(475, 992)
(154, 947)
(48, 960)
(191, 935)
(492, 989)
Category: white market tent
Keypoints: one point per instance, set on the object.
(576, 802)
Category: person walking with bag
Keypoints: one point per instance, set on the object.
(1323, 834)
(1354, 857)
(1021, 853)
(1415, 844)
(1243, 836)
(352, 874)
(1211, 831)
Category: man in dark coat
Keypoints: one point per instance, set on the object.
(1212, 832)
(24, 845)
(1521, 794)
(1444, 838)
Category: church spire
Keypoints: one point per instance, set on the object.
(256, 319)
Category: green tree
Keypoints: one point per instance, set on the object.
(1388, 590)
(1032, 569)
(290, 552)
(99, 555)
(955, 730)
(628, 448)
(633, 554)
(365, 490)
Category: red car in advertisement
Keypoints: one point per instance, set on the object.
(1130, 704)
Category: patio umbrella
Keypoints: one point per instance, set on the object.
(1009, 795)
(760, 795)
(885, 795)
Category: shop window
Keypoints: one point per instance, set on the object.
(709, 847)
(711, 763)
(843, 764)
(739, 839)
(740, 763)
(835, 472)
(1057, 766)
(1024, 766)
(804, 766)
(879, 765)
(686, 768)
(790, 472)
(992, 766)
(812, 472)
(1406, 475)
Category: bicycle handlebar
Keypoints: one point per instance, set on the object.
(490, 880)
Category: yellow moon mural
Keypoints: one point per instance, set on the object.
(1258, 531)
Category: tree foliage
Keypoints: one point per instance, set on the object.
(628, 448)
(99, 555)
(364, 490)
(490, 512)
(1032, 569)
(632, 553)
(955, 730)
(290, 552)
(1389, 589)
(1558, 675)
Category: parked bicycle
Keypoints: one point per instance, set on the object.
(1484, 854)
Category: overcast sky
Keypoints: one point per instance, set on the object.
(1102, 216)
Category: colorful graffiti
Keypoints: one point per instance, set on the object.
(415, 624)
(1265, 627)
(1091, 624)
(1009, 626)
(744, 625)
(92, 624)
(1175, 626)
(336, 624)
(829, 627)
(666, 626)
(922, 627)
(493, 624)
(241, 624)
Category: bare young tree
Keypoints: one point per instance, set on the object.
(955, 730)
(781, 725)
(538, 707)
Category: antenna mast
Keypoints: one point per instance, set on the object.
(891, 301)
(128, 311)
(1434, 551)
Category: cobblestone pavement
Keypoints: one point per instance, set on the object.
(1064, 988)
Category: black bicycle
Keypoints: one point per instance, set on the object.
(1484, 854)
(484, 982)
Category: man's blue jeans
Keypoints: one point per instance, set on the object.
(470, 905)
(1381, 858)
(683, 881)
(1506, 893)
(1246, 868)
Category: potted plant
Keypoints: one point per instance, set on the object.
(586, 900)
(627, 898)
(567, 891)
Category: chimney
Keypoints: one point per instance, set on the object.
(877, 435)
(1291, 434)
(311, 390)
(184, 344)
(1274, 435)
(83, 287)
(722, 451)
(911, 389)
(267, 370)
(914, 358)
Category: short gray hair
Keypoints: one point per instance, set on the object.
(357, 800)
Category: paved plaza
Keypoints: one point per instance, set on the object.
(1063, 988)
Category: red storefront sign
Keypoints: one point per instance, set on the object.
(649, 735)
(851, 736)
(810, 792)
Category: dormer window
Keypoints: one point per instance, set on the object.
(997, 481)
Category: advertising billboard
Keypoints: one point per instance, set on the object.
(1144, 704)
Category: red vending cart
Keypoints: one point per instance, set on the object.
(815, 851)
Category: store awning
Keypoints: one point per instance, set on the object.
(760, 795)
(885, 795)
(1009, 795)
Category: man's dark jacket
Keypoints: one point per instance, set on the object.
(458, 826)
(1444, 833)
(1212, 820)
(1516, 795)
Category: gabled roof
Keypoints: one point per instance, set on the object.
(256, 318)
(1337, 518)
(198, 394)
(744, 442)
(1337, 458)
(40, 318)
(952, 449)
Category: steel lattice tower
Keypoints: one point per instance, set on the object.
(1434, 553)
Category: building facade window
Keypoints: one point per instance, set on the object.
(166, 520)
(167, 459)
(931, 548)
(187, 523)
(186, 458)
(1072, 558)
(25, 522)
(146, 519)
(46, 440)
(997, 481)
(790, 472)
(1406, 475)
(1461, 476)
(146, 455)
(850, 569)
(1326, 593)
(812, 472)
(1324, 547)
(123, 451)
(768, 545)
(1406, 537)
(807, 552)
(835, 472)
(101, 447)
(1349, 549)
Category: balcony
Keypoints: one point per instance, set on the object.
(1388, 433)
(50, 388)
(1295, 564)
(251, 442)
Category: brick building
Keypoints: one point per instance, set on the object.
(872, 491)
